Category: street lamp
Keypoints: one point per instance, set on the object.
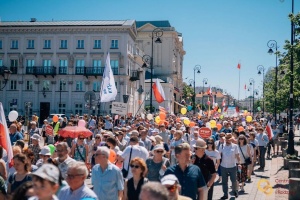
(61, 83)
(197, 69)
(251, 80)
(272, 44)
(260, 69)
(6, 75)
(156, 33)
(204, 81)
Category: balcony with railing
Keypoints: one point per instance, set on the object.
(63, 70)
(93, 71)
(134, 75)
(14, 70)
(49, 70)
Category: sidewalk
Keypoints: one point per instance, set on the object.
(275, 175)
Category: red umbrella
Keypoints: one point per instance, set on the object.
(74, 132)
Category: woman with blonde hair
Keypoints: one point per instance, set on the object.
(132, 187)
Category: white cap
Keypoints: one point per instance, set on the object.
(45, 151)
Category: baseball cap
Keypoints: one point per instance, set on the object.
(169, 179)
(45, 151)
(36, 137)
(48, 172)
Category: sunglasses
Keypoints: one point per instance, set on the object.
(81, 138)
(97, 137)
(159, 151)
(135, 166)
(172, 188)
(209, 143)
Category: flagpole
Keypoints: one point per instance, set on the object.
(239, 85)
(140, 106)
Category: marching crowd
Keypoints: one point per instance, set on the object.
(135, 158)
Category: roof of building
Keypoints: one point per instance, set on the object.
(68, 23)
(160, 23)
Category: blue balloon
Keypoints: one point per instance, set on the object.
(190, 108)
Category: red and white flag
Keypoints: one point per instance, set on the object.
(269, 131)
(208, 91)
(4, 137)
(162, 109)
(239, 66)
(158, 91)
(223, 102)
(245, 87)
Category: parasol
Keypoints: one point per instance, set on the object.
(74, 132)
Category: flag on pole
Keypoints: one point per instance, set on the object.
(4, 137)
(108, 87)
(223, 102)
(245, 87)
(208, 91)
(239, 66)
(269, 131)
(158, 91)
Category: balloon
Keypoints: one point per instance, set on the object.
(219, 126)
(221, 117)
(249, 119)
(81, 123)
(13, 115)
(245, 111)
(162, 115)
(208, 103)
(186, 121)
(55, 118)
(219, 110)
(52, 148)
(149, 116)
(112, 156)
(258, 108)
(240, 129)
(189, 108)
(178, 120)
(157, 119)
(213, 123)
(183, 111)
(192, 124)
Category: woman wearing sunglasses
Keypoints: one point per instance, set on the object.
(80, 150)
(132, 187)
(244, 154)
(157, 164)
(213, 153)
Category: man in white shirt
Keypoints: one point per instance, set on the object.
(136, 151)
(230, 156)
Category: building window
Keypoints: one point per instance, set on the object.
(29, 85)
(63, 44)
(62, 108)
(80, 44)
(30, 44)
(79, 63)
(0, 44)
(1, 63)
(63, 63)
(46, 85)
(114, 66)
(96, 86)
(14, 63)
(29, 63)
(14, 44)
(78, 108)
(79, 86)
(97, 44)
(46, 63)
(62, 85)
(47, 44)
(96, 63)
(13, 84)
(114, 44)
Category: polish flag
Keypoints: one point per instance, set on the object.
(208, 91)
(223, 102)
(4, 137)
(158, 91)
(269, 131)
(239, 66)
(245, 87)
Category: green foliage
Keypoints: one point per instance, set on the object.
(188, 93)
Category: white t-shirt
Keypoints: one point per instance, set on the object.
(137, 151)
(214, 155)
(228, 155)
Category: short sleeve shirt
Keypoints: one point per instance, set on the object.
(228, 155)
(191, 179)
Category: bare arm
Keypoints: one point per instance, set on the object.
(120, 194)
(125, 190)
(211, 180)
(73, 151)
(202, 193)
(3, 171)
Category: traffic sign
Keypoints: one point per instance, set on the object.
(49, 130)
(205, 132)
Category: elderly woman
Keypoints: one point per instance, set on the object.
(157, 164)
(80, 150)
(132, 187)
(177, 140)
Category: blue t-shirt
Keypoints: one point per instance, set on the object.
(190, 179)
(15, 137)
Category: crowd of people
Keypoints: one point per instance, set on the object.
(135, 158)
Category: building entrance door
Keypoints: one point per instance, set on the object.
(44, 111)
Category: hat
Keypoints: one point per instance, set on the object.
(152, 138)
(200, 144)
(33, 122)
(158, 138)
(128, 127)
(36, 137)
(228, 136)
(134, 133)
(169, 179)
(45, 151)
(45, 120)
(225, 122)
(48, 172)
(116, 128)
(159, 147)
(222, 134)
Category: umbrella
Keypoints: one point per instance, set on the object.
(74, 132)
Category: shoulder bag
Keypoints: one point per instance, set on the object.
(247, 160)
(125, 171)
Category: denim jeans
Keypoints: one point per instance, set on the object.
(231, 172)
(262, 154)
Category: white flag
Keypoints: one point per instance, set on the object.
(109, 91)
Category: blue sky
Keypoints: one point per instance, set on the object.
(217, 33)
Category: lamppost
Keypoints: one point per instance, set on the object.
(61, 83)
(196, 68)
(251, 80)
(204, 81)
(6, 75)
(272, 44)
(260, 69)
(156, 33)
